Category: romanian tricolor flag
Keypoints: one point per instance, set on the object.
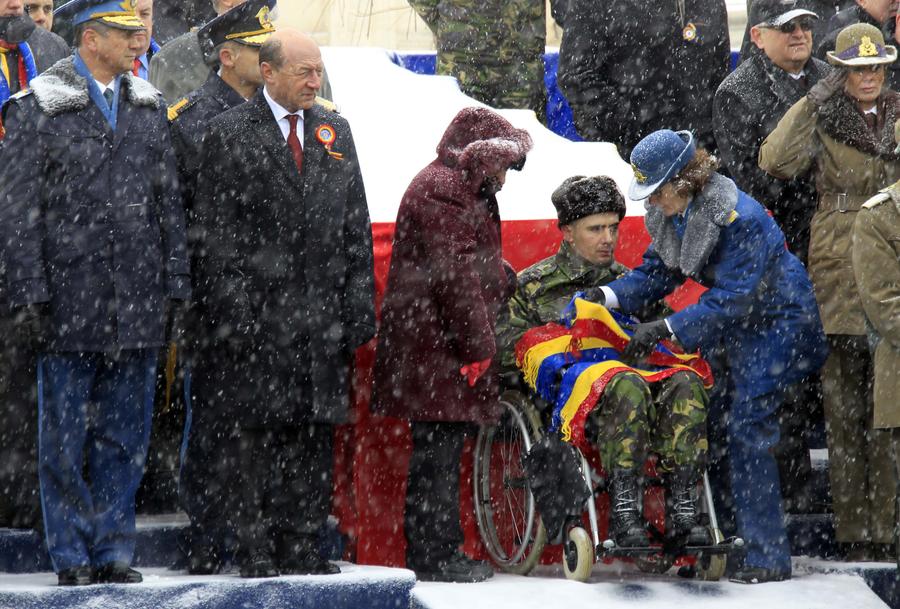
(570, 367)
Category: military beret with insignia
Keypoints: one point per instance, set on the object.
(580, 196)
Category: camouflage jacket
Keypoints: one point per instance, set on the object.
(484, 39)
(544, 289)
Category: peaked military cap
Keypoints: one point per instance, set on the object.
(861, 44)
(119, 14)
(774, 13)
(249, 23)
(578, 197)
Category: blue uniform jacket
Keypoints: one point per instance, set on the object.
(92, 219)
(759, 305)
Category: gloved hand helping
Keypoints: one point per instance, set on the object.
(475, 370)
(644, 341)
(826, 88)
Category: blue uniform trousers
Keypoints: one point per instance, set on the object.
(96, 406)
(745, 430)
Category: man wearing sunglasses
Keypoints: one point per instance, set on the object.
(747, 106)
(880, 13)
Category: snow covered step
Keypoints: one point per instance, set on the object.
(620, 586)
(23, 551)
(356, 587)
(811, 535)
(880, 576)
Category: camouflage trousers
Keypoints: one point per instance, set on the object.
(520, 86)
(634, 418)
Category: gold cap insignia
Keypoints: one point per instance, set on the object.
(640, 177)
(265, 17)
(128, 5)
(867, 48)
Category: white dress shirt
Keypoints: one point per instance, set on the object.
(280, 114)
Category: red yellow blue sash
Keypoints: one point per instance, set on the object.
(571, 366)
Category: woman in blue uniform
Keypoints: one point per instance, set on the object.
(757, 323)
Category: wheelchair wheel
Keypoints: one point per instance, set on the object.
(712, 568)
(578, 555)
(508, 522)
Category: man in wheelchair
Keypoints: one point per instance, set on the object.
(633, 417)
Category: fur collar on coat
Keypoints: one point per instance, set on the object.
(710, 211)
(62, 89)
(481, 143)
(842, 121)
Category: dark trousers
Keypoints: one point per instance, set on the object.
(431, 519)
(210, 462)
(20, 497)
(98, 406)
(285, 488)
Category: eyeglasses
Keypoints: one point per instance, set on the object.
(804, 23)
(878, 67)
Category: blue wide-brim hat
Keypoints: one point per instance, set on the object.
(657, 158)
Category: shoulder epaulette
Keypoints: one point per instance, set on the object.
(878, 199)
(733, 216)
(328, 105)
(176, 108)
(22, 93)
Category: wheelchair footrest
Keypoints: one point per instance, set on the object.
(609, 549)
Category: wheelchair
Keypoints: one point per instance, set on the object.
(511, 528)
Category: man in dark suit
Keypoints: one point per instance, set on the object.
(285, 275)
(211, 450)
(94, 240)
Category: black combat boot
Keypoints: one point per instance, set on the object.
(683, 510)
(626, 526)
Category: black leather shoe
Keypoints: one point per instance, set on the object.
(203, 561)
(76, 576)
(258, 565)
(117, 573)
(459, 568)
(758, 575)
(307, 564)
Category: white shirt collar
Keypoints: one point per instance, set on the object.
(279, 112)
(104, 87)
(872, 110)
(798, 75)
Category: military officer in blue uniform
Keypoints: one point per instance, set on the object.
(94, 238)
(233, 40)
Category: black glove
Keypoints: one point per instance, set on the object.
(644, 341)
(29, 324)
(827, 87)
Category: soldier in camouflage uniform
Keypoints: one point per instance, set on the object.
(632, 418)
(494, 48)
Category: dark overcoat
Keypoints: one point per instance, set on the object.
(759, 305)
(284, 263)
(747, 107)
(447, 279)
(93, 223)
(630, 67)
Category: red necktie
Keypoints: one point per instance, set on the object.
(293, 142)
(137, 67)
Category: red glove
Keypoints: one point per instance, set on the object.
(473, 371)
